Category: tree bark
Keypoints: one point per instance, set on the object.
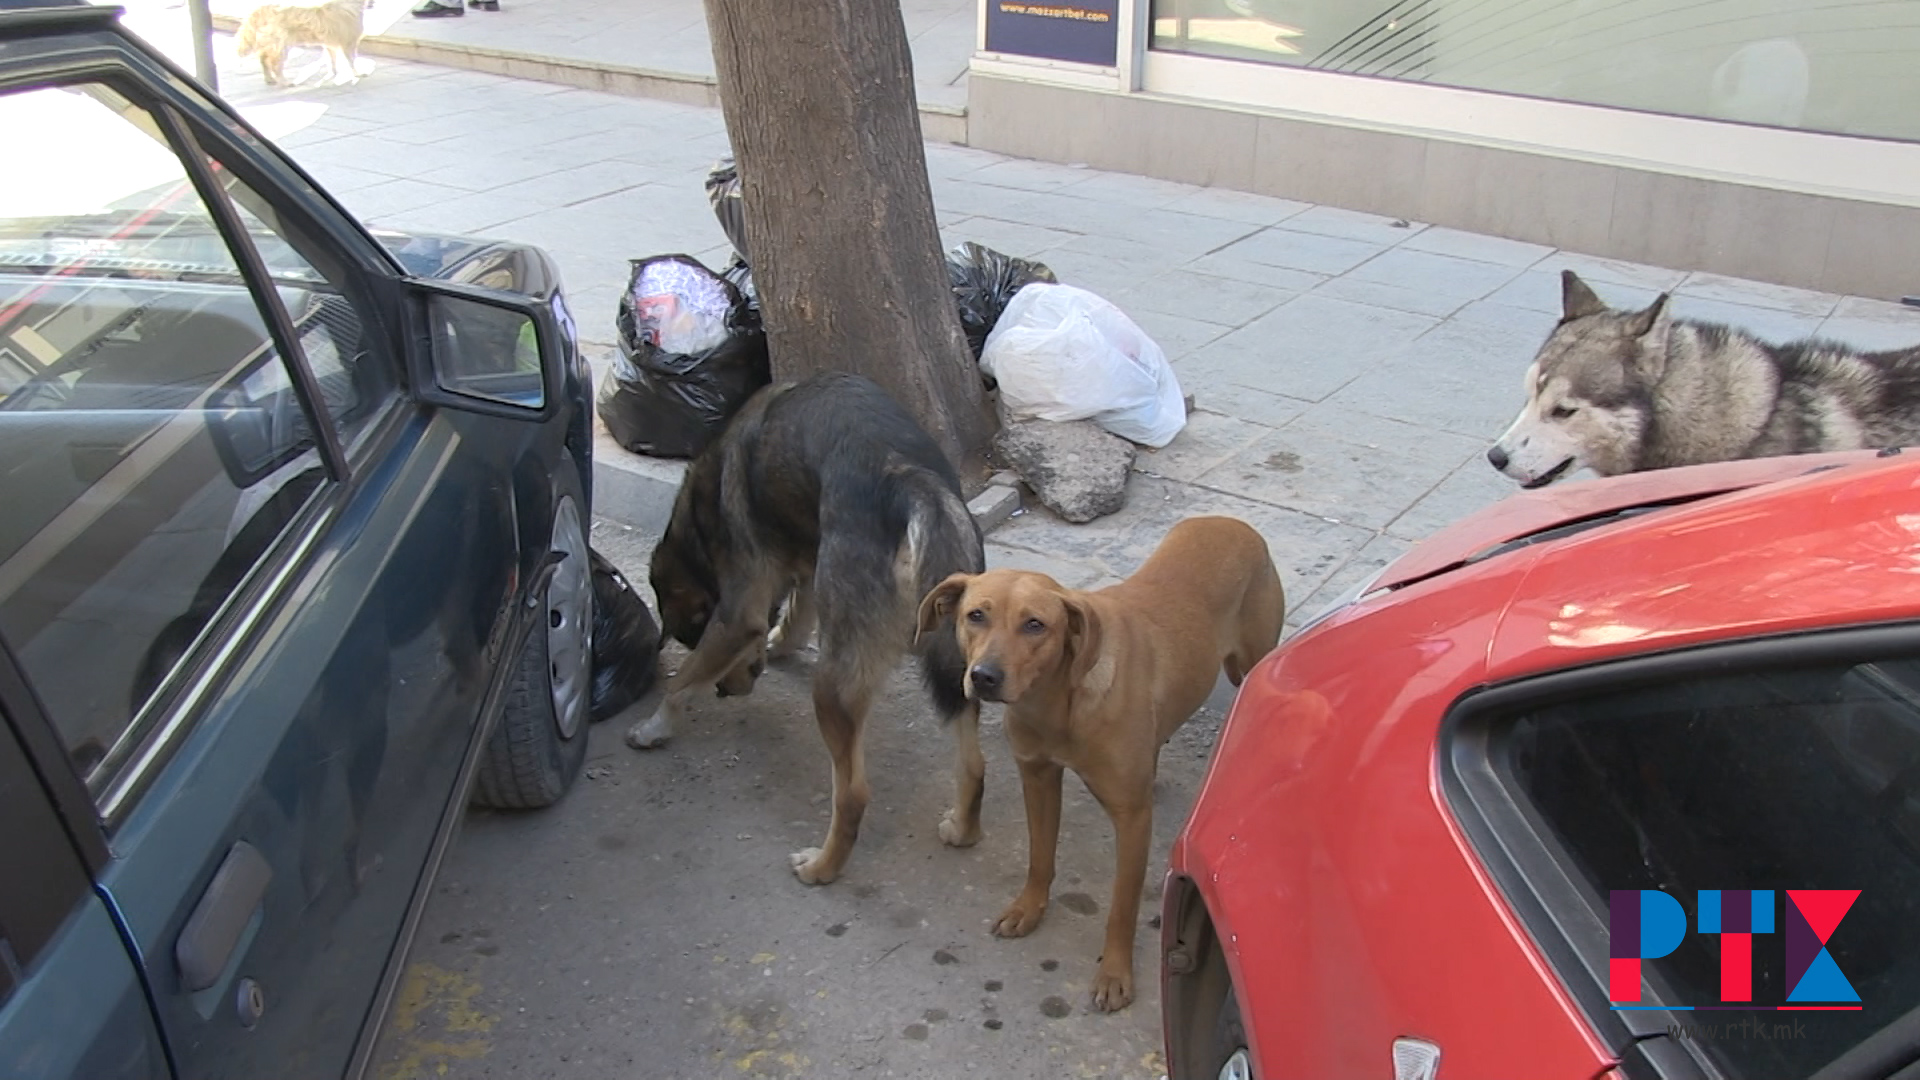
(821, 111)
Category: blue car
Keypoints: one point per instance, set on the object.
(293, 563)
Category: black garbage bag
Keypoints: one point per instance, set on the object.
(983, 282)
(626, 641)
(692, 351)
(723, 193)
(741, 275)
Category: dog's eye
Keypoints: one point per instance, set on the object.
(976, 616)
(1561, 412)
(1033, 626)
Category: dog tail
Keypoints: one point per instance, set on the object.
(939, 537)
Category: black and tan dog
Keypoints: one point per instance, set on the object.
(827, 494)
(1097, 681)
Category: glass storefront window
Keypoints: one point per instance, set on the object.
(1838, 66)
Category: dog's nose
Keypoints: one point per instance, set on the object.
(1497, 458)
(986, 680)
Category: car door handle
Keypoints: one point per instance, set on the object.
(207, 942)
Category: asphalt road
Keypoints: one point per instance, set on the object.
(648, 925)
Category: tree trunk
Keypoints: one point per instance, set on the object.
(820, 107)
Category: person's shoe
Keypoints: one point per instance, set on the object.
(437, 9)
(484, 5)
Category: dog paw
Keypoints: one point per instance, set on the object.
(650, 733)
(954, 834)
(1019, 919)
(809, 865)
(1112, 991)
(782, 644)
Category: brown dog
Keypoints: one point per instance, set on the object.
(1097, 681)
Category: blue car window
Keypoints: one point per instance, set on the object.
(153, 447)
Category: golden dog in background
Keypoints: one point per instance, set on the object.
(272, 29)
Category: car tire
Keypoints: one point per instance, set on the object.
(1233, 1062)
(536, 750)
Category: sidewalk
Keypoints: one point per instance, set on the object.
(1350, 370)
(641, 48)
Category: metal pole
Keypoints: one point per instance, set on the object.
(200, 18)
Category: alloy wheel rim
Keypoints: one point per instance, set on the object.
(569, 622)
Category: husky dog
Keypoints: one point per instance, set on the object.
(1622, 391)
(829, 495)
(272, 29)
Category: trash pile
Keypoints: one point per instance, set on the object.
(626, 641)
(692, 350)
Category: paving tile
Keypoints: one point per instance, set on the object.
(1204, 296)
(1594, 271)
(1342, 466)
(1434, 274)
(1027, 175)
(1873, 324)
(1354, 225)
(1461, 377)
(1490, 312)
(1010, 237)
(385, 204)
(946, 161)
(1470, 488)
(965, 196)
(1417, 301)
(1539, 290)
(1306, 549)
(1768, 324)
(1466, 245)
(1183, 236)
(1238, 206)
(1372, 556)
(1302, 251)
(1208, 440)
(1307, 348)
(1099, 274)
(1242, 403)
(1806, 302)
(1124, 189)
(1176, 335)
(1235, 268)
(1074, 575)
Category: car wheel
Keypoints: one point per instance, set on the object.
(1230, 1041)
(536, 751)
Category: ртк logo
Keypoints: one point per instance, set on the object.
(1646, 924)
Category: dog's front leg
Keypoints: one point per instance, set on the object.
(1133, 835)
(722, 648)
(1040, 783)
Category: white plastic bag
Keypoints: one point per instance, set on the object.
(1062, 353)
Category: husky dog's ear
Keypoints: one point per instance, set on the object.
(937, 608)
(1650, 331)
(1577, 301)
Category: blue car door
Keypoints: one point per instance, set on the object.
(71, 1000)
(259, 593)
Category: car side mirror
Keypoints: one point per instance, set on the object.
(485, 351)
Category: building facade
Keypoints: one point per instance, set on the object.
(1771, 139)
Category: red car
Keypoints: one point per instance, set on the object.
(1616, 779)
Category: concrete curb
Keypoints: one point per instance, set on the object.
(938, 123)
